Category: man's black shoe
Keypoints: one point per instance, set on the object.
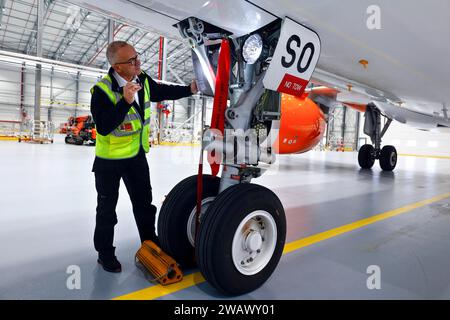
(110, 265)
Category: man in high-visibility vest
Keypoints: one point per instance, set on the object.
(120, 106)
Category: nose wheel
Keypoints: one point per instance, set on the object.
(241, 238)
(176, 220)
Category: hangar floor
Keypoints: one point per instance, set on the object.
(47, 220)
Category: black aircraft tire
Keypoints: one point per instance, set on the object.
(366, 157)
(174, 216)
(241, 210)
(388, 158)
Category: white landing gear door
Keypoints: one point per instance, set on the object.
(294, 60)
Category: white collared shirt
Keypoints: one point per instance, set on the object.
(122, 82)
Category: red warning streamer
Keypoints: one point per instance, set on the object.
(220, 100)
(218, 118)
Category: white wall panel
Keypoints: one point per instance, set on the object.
(64, 91)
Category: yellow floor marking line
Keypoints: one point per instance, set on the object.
(424, 156)
(301, 243)
(5, 138)
(158, 291)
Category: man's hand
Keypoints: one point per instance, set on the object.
(194, 88)
(129, 91)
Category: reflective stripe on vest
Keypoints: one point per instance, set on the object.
(124, 141)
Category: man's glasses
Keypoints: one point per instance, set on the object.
(131, 61)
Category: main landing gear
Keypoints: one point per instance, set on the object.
(368, 153)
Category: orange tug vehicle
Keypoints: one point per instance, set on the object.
(80, 130)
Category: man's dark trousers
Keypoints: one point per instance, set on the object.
(136, 176)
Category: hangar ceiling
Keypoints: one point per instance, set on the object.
(73, 34)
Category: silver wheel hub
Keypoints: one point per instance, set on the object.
(254, 242)
(393, 158)
(191, 224)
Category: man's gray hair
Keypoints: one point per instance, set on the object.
(112, 49)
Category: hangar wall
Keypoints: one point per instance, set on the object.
(63, 92)
(61, 88)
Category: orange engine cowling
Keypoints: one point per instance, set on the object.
(302, 125)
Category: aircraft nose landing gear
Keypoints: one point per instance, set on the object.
(240, 236)
(368, 153)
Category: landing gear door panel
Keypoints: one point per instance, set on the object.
(294, 60)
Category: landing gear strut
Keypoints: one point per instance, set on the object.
(368, 153)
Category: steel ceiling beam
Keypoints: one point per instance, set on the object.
(70, 35)
(135, 32)
(170, 55)
(116, 31)
(100, 46)
(32, 39)
(144, 52)
(181, 81)
(2, 7)
(101, 35)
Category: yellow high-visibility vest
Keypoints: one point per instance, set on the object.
(125, 141)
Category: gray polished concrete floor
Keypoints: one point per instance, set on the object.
(48, 199)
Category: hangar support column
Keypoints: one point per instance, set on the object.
(38, 77)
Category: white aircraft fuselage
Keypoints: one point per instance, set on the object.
(405, 43)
